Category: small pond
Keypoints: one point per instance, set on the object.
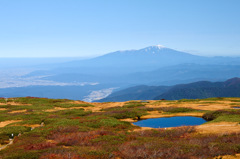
(170, 122)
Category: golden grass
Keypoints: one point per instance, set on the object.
(5, 123)
(231, 157)
(13, 103)
(18, 111)
(219, 128)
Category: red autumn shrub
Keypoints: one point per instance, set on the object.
(40, 146)
(66, 155)
(77, 138)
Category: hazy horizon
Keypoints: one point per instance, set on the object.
(83, 57)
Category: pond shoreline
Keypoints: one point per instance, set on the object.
(155, 114)
(167, 122)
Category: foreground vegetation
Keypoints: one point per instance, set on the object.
(64, 129)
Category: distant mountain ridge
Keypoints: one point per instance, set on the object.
(145, 59)
(153, 65)
(201, 89)
(131, 61)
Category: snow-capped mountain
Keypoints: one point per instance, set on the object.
(145, 59)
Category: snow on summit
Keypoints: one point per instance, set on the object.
(151, 49)
(160, 46)
(155, 48)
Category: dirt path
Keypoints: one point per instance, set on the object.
(12, 121)
(3, 124)
(4, 146)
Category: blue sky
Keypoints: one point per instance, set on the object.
(66, 28)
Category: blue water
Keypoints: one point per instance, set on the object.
(170, 122)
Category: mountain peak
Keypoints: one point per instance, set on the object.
(159, 46)
(156, 47)
(149, 48)
(233, 81)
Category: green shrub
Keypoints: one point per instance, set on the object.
(124, 112)
(177, 109)
(23, 155)
(128, 114)
(73, 113)
(69, 105)
(214, 99)
(134, 104)
(223, 115)
(7, 131)
(188, 100)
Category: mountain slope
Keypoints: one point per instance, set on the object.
(146, 59)
(202, 89)
(149, 56)
(130, 61)
(154, 64)
(142, 92)
(229, 88)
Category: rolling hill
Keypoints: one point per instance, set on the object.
(196, 90)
